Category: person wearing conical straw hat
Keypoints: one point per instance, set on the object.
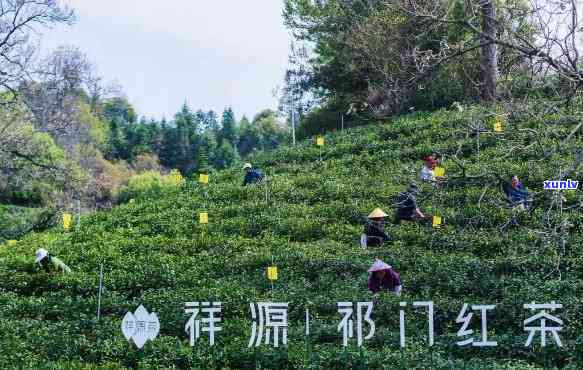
(382, 277)
(50, 263)
(374, 230)
(251, 175)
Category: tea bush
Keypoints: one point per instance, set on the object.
(306, 219)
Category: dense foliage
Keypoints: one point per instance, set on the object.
(193, 141)
(155, 253)
(387, 57)
(65, 141)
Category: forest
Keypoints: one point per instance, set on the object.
(70, 139)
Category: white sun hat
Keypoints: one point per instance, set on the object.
(247, 165)
(40, 254)
(378, 265)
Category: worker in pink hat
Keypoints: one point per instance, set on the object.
(382, 277)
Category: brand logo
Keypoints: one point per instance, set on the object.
(560, 185)
(140, 326)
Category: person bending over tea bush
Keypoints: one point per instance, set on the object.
(516, 194)
(427, 174)
(251, 175)
(407, 208)
(374, 230)
(381, 278)
(50, 263)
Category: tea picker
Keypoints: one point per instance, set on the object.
(381, 278)
(431, 172)
(50, 263)
(516, 194)
(428, 170)
(374, 229)
(407, 207)
(252, 175)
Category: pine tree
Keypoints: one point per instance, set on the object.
(225, 156)
(116, 144)
(207, 151)
(229, 128)
(187, 140)
(249, 138)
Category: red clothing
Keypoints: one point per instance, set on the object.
(391, 280)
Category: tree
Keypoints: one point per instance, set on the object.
(23, 149)
(388, 55)
(264, 133)
(208, 121)
(120, 108)
(228, 130)
(55, 99)
(116, 143)
(207, 152)
(489, 55)
(225, 156)
(19, 20)
(124, 136)
(543, 36)
(249, 138)
(168, 155)
(187, 144)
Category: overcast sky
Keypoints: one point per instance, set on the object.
(212, 53)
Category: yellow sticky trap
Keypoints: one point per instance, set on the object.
(436, 221)
(498, 127)
(67, 219)
(439, 171)
(176, 177)
(12, 243)
(203, 179)
(320, 141)
(272, 273)
(203, 218)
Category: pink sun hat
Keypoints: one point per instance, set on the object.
(378, 265)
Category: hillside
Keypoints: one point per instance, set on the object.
(156, 254)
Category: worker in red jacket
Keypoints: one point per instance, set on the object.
(382, 277)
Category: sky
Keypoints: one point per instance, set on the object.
(209, 53)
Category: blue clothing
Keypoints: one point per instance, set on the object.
(516, 195)
(252, 176)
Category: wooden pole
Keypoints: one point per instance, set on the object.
(78, 214)
(100, 290)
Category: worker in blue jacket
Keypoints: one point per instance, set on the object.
(251, 175)
(516, 194)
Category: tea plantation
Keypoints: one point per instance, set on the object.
(306, 220)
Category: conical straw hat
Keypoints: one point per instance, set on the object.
(377, 213)
(378, 265)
